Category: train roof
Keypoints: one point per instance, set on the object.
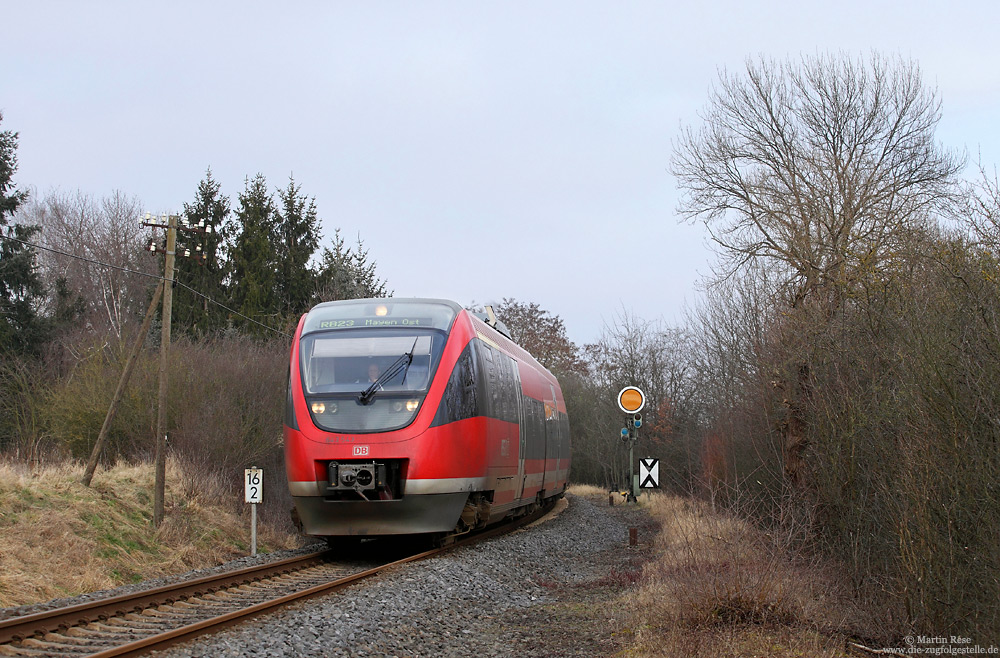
(389, 300)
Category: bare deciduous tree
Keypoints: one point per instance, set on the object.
(820, 165)
(982, 213)
(542, 334)
(105, 231)
(656, 358)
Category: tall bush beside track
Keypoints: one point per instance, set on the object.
(949, 463)
(901, 466)
(23, 410)
(79, 402)
(225, 408)
(229, 403)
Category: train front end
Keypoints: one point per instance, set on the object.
(361, 397)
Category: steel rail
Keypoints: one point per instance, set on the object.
(19, 628)
(50, 621)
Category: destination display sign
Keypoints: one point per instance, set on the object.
(363, 323)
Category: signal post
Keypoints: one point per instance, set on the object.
(631, 400)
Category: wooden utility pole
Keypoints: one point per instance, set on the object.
(161, 412)
(170, 252)
(102, 438)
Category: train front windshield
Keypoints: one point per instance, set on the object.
(363, 372)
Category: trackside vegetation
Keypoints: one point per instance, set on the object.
(60, 538)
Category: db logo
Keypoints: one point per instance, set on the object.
(360, 451)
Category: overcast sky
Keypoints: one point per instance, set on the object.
(480, 150)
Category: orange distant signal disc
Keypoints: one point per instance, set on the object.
(631, 400)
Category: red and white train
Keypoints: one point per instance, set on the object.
(408, 416)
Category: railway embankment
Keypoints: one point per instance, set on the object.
(60, 539)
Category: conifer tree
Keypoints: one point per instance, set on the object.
(253, 256)
(346, 273)
(22, 331)
(205, 274)
(298, 239)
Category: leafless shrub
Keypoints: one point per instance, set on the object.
(225, 409)
(725, 583)
(78, 403)
(23, 424)
(229, 403)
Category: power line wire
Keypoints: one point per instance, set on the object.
(146, 274)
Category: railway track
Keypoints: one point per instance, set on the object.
(133, 624)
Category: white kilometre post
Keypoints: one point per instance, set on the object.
(253, 480)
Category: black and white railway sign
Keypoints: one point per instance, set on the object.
(253, 480)
(649, 473)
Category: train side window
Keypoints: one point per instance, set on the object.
(491, 378)
(513, 391)
(497, 382)
(460, 399)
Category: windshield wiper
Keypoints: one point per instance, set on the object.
(400, 365)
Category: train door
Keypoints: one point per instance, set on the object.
(523, 428)
(551, 449)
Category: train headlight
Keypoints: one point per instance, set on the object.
(324, 407)
(409, 405)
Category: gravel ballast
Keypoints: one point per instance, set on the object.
(535, 592)
(499, 597)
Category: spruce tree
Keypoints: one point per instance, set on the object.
(205, 270)
(22, 331)
(298, 239)
(252, 247)
(347, 274)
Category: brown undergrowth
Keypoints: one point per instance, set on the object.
(718, 586)
(59, 538)
(707, 584)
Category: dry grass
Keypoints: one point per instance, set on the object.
(717, 586)
(59, 538)
(587, 491)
